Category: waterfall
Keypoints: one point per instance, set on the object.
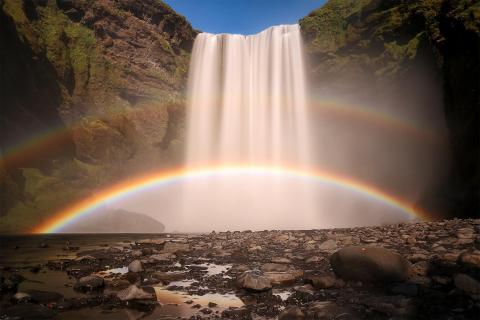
(247, 106)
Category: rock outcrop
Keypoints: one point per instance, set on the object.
(89, 91)
(415, 53)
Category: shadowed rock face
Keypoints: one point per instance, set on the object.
(116, 221)
(373, 49)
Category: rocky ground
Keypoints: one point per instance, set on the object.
(428, 270)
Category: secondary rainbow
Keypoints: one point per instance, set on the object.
(162, 178)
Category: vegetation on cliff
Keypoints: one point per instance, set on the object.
(108, 77)
(384, 49)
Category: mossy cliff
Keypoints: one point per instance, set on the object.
(379, 49)
(107, 76)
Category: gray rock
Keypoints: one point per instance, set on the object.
(135, 266)
(328, 245)
(89, 283)
(282, 278)
(254, 280)
(274, 267)
(369, 264)
(133, 293)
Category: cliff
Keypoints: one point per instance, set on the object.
(92, 91)
(416, 52)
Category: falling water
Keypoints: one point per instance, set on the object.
(247, 99)
(247, 106)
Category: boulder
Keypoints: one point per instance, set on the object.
(274, 267)
(369, 264)
(282, 278)
(135, 266)
(328, 245)
(89, 283)
(254, 280)
(133, 293)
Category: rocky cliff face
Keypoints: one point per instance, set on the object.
(98, 86)
(377, 49)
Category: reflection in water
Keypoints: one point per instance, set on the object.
(174, 302)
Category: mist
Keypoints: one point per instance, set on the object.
(391, 137)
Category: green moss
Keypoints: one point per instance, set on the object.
(68, 45)
(81, 46)
(329, 24)
(51, 26)
(14, 9)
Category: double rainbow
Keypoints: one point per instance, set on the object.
(129, 188)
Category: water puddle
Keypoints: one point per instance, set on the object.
(121, 270)
(226, 300)
(54, 281)
(282, 294)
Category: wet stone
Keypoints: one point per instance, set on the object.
(89, 283)
(254, 280)
(133, 293)
(135, 266)
(369, 264)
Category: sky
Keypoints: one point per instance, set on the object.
(242, 16)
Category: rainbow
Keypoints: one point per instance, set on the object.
(379, 119)
(34, 146)
(69, 215)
